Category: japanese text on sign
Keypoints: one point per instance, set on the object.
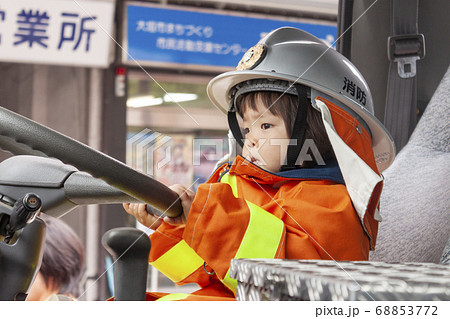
(174, 28)
(189, 31)
(32, 29)
(199, 46)
(55, 32)
(171, 37)
(2, 18)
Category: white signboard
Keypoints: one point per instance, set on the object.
(68, 32)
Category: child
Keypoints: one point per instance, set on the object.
(297, 191)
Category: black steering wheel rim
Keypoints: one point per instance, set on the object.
(20, 134)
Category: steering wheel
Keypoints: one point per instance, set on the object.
(58, 184)
(20, 135)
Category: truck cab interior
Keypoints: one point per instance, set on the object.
(402, 47)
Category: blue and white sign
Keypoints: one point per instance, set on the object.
(182, 38)
(56, 32)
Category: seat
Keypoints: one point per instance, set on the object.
(415, 203)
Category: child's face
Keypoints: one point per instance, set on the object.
(266, 138)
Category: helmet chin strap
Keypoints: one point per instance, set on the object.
(298, 131)
(234, 125)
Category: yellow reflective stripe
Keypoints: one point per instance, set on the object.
(173, 297)
(230, 180)
(178, 262)
(261, 239)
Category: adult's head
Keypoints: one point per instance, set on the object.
(62, 262)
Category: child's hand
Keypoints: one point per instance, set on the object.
(142, 216)
(187, 197)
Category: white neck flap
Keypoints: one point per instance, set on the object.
(359, 178)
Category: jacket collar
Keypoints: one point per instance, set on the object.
(248, 170)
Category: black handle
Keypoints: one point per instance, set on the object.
(129, 249)
(20, 261)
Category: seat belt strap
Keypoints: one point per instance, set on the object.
(405, 47)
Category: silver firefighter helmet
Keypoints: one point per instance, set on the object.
(298, 57)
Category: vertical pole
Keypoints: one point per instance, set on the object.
(93, 212)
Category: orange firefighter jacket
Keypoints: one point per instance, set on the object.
(243, 211)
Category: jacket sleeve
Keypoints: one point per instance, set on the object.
(171, 255)
(221, 227)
